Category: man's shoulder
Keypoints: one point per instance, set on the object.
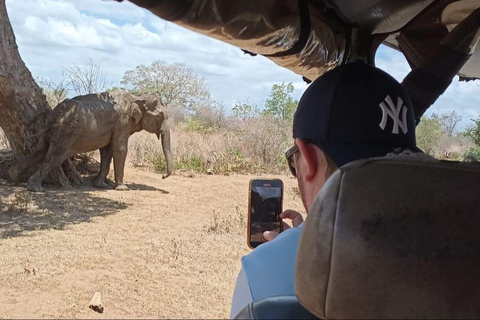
(270, 268)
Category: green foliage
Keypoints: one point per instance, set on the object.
(195, 124)
(158, 162)
(233, 160)
(474, 132)
(429, 131)
(245, 111)
(472, 153)
(192, 162)
(280, 104)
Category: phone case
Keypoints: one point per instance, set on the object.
(278, 184)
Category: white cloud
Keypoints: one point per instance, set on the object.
(52, 34)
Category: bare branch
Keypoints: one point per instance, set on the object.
(86, 78)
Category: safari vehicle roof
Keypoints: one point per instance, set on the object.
(310, 37)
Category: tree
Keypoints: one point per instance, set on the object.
(208, 117)
(473, 132)
(24, 110)
(174, 84)
(245, 110)
(429, 131)
(55, 93)
(280, 104)
(85, 78)
(448, 121)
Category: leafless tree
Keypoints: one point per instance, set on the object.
(448, 121)
(212, 115)
(176, 85)
(55, 93)
(85, 78)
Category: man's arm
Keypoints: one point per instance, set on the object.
(242, 295)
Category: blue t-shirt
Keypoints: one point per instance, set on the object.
(268, 271)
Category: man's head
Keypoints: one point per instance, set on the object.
(353, 112)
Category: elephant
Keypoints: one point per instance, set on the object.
(102, 121)
(264, 210)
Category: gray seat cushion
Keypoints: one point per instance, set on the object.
(393, 238)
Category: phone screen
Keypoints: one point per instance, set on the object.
(265, 206)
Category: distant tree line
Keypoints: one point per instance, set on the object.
(261, 132)
(438, 136)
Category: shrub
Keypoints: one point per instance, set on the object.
(252, 146)
(429, 131)
(472, 154)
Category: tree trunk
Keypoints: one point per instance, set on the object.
(24, 109)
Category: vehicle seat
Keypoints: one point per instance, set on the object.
(393, 237)
(281, 307)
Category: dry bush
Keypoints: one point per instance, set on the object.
(252, 146)
(453, 147)
(141, 146)
(234, 223)
(265, 139)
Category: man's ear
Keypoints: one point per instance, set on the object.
(312, 156)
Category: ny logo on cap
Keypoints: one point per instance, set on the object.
(393, 112)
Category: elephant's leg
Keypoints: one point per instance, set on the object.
(120, 147)
(106, 155)
(55, 157)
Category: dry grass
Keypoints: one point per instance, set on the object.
(256, 146)
(166, 249)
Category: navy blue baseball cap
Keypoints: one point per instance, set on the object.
(356, 111)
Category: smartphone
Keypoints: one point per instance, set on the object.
(265, 202)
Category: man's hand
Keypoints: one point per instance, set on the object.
(296, 218)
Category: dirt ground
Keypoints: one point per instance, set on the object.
(165, 249)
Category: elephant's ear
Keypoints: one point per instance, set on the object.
(136, 113)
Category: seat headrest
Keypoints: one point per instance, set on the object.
(393, 238)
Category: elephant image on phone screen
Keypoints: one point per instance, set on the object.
(265, 211)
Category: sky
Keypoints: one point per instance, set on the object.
(54, 34)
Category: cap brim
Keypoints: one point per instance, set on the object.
(343, 153)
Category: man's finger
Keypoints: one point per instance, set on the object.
(293, 215)
(270, 235)
(289, 214)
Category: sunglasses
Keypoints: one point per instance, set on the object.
(291, 160)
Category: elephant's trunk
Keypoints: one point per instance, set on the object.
(165, 132)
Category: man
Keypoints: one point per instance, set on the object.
(353, 112)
